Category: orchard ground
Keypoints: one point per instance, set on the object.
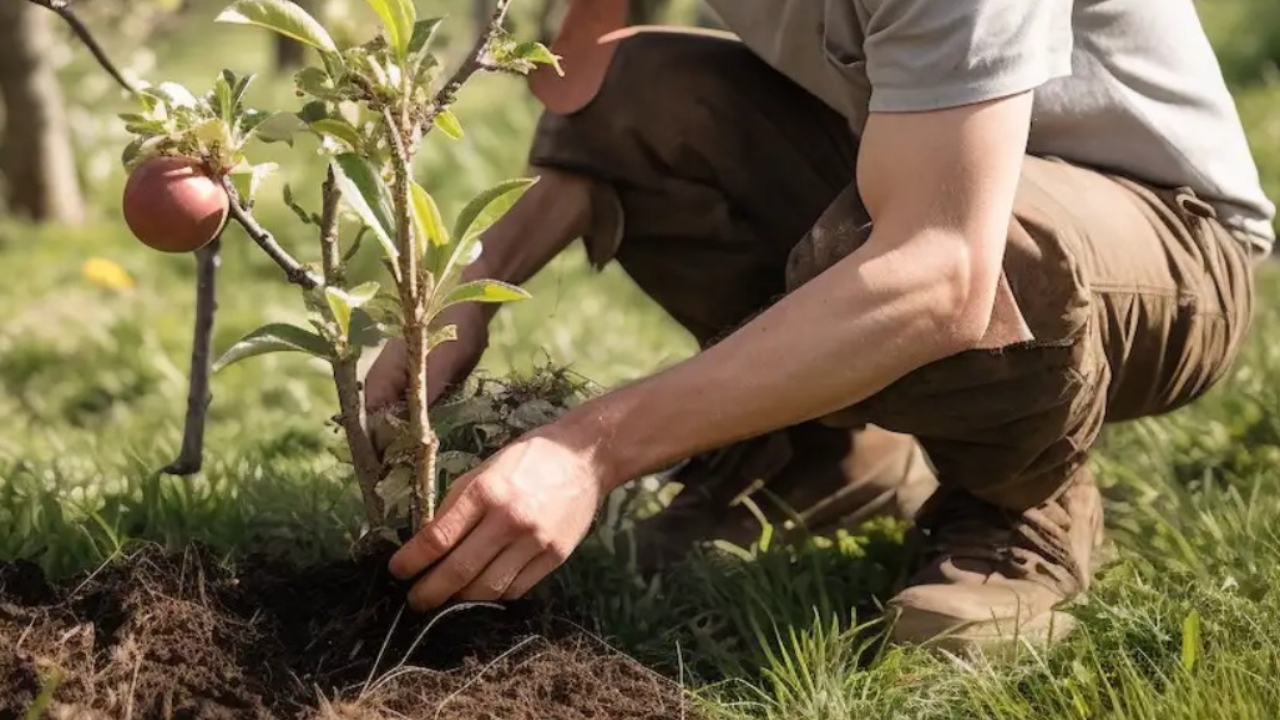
(93, 359)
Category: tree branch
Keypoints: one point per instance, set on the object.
(474, 61)
(345, 373)
(191, 457)
(293, 270)
(62, 8)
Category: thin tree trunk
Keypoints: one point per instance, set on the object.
(36, 159)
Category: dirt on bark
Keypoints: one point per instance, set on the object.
(186, 636)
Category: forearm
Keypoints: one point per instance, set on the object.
(885, 310)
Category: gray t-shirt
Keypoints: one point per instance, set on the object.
(1130, 86)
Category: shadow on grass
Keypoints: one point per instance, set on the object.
(728, 613)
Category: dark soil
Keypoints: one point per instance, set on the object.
(185, 636)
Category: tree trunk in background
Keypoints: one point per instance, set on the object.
(36, 157)
(291, 54)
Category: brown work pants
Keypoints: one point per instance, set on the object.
(736, 185)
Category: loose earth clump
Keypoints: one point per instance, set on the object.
(161, 635)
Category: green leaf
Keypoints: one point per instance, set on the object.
(316, 82)
(360, 295)
(340, 307)
(536, 52)
(1190, 640)
(248, 178)
(279, 127)
(224, 105)
(442, 335)
(313, 111)
(281, 16)
(397, 17)
(474, 219)
(365, 330)
(293, 205)
(338, 129)
(483, 291)
(448, 124)
(429, 229)
(276, 337)
(488, 206)
(240, 87)
(365, 192)
(424, 31)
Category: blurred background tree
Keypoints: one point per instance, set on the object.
(38, 160)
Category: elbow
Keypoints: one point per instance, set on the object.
(963, 300)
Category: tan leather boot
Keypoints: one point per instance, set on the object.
(808, 479)
(991, 578)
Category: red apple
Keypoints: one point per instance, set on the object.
(172, 205)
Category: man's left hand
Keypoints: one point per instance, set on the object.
(506, 525)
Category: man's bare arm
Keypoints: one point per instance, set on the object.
(940, 188)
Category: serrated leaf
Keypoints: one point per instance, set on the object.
(429, 230)
(276, 337)
(448, 124)
(282, 16)
(338, 129)
(365, 192)
(398, 18)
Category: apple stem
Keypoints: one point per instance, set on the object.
(191, 457)
(293, 270)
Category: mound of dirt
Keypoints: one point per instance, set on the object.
(185, 636)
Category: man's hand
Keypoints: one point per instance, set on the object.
(506, 525)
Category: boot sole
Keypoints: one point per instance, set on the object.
(990, 639)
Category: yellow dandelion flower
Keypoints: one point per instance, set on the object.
(106, 273)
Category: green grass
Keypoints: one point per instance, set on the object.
(1185, 624)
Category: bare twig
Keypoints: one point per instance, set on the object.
(293, 269)
(62, 8)
(345, 373)
(191, 457)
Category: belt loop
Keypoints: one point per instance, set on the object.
(1191, 203)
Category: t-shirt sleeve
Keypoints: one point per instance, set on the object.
(934, 54)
